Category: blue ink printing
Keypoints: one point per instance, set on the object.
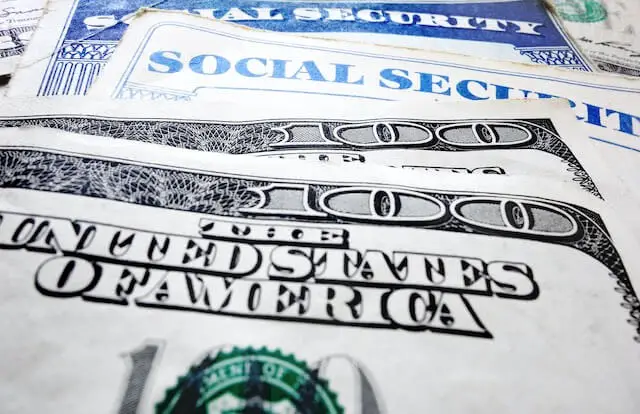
(94, 27)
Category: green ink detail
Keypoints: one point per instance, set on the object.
(250, 381)
(581, 11)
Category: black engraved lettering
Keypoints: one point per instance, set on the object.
(24, 232)
(434, 311)
(65, 277)
(343, 303)
(255, 292)
(116, 283)
(512, 280)
(120, 244)
(273, 234)
(158, 250)
(293, 263)
(295, 302)
(195, 252)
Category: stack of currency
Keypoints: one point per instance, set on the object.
(352, 207)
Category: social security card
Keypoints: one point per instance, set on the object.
(80, 35)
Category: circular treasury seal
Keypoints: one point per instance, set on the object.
(582, 11)
(250, 381)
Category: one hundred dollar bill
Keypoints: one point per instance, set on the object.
(77, 37)
(177, 57)
(18, 20)
(519, 138)
(142, 278)
(607, 30)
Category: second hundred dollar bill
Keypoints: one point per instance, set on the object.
(150, 279)
(537, 138)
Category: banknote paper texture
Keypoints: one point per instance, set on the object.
(606, 30)
(18, 20)
(155, 282)
(77, 38)
(527, 138)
